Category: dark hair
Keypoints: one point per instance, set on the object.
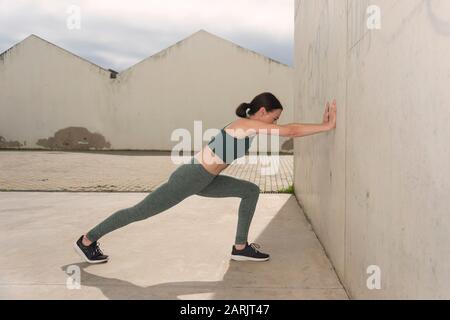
(265, 99)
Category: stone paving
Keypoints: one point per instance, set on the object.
(183, 253)
(193, 263)
(118, 171)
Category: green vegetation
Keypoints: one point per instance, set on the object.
(289, 189)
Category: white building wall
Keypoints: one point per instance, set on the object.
(377, 188)
(202, 77)
(44, 88)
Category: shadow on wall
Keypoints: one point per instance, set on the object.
(9, 144)
(79, 139)
(288, 145)
(75, 138)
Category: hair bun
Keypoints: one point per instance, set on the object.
(243, 110)
(265, 99)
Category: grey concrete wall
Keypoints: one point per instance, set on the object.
(52, 98)
(377, 188)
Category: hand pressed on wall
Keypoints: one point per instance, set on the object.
(329, 116)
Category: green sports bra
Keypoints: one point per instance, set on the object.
(229, 148)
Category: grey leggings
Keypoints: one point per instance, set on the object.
(188, 179)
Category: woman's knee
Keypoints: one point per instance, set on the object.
(252, 189)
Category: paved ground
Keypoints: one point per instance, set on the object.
(115, 171)
(182, 253)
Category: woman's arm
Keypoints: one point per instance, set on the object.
(329, 123)
(296, 129)
(305, 129)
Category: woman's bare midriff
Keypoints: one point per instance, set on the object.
(210, 161)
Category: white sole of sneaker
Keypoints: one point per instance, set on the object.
(243, 258)
(81, 254)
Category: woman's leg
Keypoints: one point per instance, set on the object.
(185, 181)
(225, 186)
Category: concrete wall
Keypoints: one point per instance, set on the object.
(51, 98)
(377, 189)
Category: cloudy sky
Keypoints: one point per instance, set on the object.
(117, 33)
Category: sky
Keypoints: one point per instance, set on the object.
(117, 34)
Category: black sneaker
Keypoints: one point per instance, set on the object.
(91, 253)
(249, 253)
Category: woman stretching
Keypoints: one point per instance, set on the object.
(202, 177)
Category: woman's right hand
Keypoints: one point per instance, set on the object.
(329, 117)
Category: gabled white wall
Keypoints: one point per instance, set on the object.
(45, 88)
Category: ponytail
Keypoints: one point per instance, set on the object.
(244, 110)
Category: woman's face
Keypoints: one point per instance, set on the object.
(267, 117)
(272, 116)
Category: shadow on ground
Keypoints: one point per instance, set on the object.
(298, 269)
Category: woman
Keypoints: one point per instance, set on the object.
(202, 177)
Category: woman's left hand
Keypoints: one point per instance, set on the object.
(326, 114)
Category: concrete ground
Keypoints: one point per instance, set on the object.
(126, 171)
(182, 253)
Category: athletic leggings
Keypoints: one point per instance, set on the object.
(188, 179)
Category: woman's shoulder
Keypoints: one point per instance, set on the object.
(240, 123)
(239, 126)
